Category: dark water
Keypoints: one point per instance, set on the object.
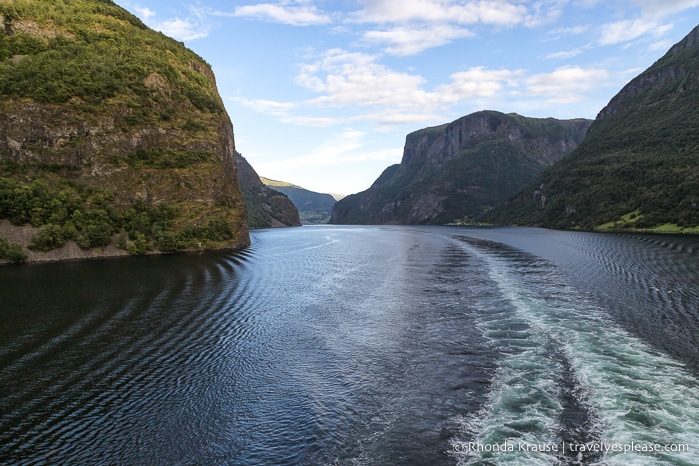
(377, 345)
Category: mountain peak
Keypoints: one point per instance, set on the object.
(459, 169)
(689, 41)
(666, 75)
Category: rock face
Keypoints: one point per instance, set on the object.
(267, 207)
(102, 116)
(665, 71)
(314, 208)
(462, 169)
(638, 166)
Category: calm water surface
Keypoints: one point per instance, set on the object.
(358, 345)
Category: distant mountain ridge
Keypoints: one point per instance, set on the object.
(459, 170)
(314, 208)
(267, 207)
(639, 164)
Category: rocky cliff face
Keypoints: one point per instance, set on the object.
(663, 71)
(267, 207)
(446, 142)
(114, 121)
(638, 166)
(462, 169)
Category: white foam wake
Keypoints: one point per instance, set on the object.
(642, 398)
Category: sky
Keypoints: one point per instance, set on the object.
(322, 93)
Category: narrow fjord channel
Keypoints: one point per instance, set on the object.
(359, 345)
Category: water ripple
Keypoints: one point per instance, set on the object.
(354, 345)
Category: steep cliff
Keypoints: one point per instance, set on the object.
(111, 134)
(267, 208)
(314, 208)
(459, 170)
(639, 164)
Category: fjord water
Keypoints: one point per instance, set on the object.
(357, 345)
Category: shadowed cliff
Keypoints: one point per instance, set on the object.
(267, 208)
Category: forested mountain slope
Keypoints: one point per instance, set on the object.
(639, 164)
(112, 136)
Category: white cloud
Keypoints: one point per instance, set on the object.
(422, 24)
(588, 3)
(496, 12)
(318, 122)
(565, 85)
(662, 45)
(544, 13)
(563, 55)
(269, 107)
(382, 154)
(282, 111)
(183, 29)
(572, 29)
(349, 146)
(284, 12)
(630, 73)
(409, 41)
(368, 91)
(193, 27)
(628, 30)
(356, 79)
(351, 78)
(658, 9)
(144, 13)
(388, 120)
(308, 78)
(387, 11)
(475, 83)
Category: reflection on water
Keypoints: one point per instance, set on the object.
(356, 345)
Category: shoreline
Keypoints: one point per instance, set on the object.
(71, 251)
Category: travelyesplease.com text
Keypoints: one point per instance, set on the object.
(592, 447)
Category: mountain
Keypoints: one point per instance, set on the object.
(457, 171)
(314, 208)
(113, 137)
(267, 207)
(639, 164)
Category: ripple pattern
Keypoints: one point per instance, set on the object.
(356, 345)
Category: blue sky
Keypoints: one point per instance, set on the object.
(322, 93)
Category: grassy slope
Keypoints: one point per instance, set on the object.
(278, 184)
(144, 128)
